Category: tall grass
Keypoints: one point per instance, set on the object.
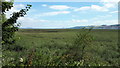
(64, 48)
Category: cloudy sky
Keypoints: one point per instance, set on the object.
(67, 14)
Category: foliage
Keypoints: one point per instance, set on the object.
(53, 48)
(8, 27)
(77, 50)
(6, 6)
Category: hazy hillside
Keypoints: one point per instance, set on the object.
(117, 26)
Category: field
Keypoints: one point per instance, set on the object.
(53, 47)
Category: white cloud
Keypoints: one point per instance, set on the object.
(101, 17)
(59, 7)
(104, 19)
(108, 22)
(82, 8)
(54, 13)
(114, 12)
(79, 21)
(98, 8)
(19, 6)
(38, 23)
(110, 3)
(27, 19)
(92, 7)
(31, 22)
(107, 4)
(44, 5)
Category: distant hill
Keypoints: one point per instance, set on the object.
(117, 26)
(77, 27)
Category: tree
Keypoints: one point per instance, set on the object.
(8, 26)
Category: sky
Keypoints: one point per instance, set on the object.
(47, 15)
